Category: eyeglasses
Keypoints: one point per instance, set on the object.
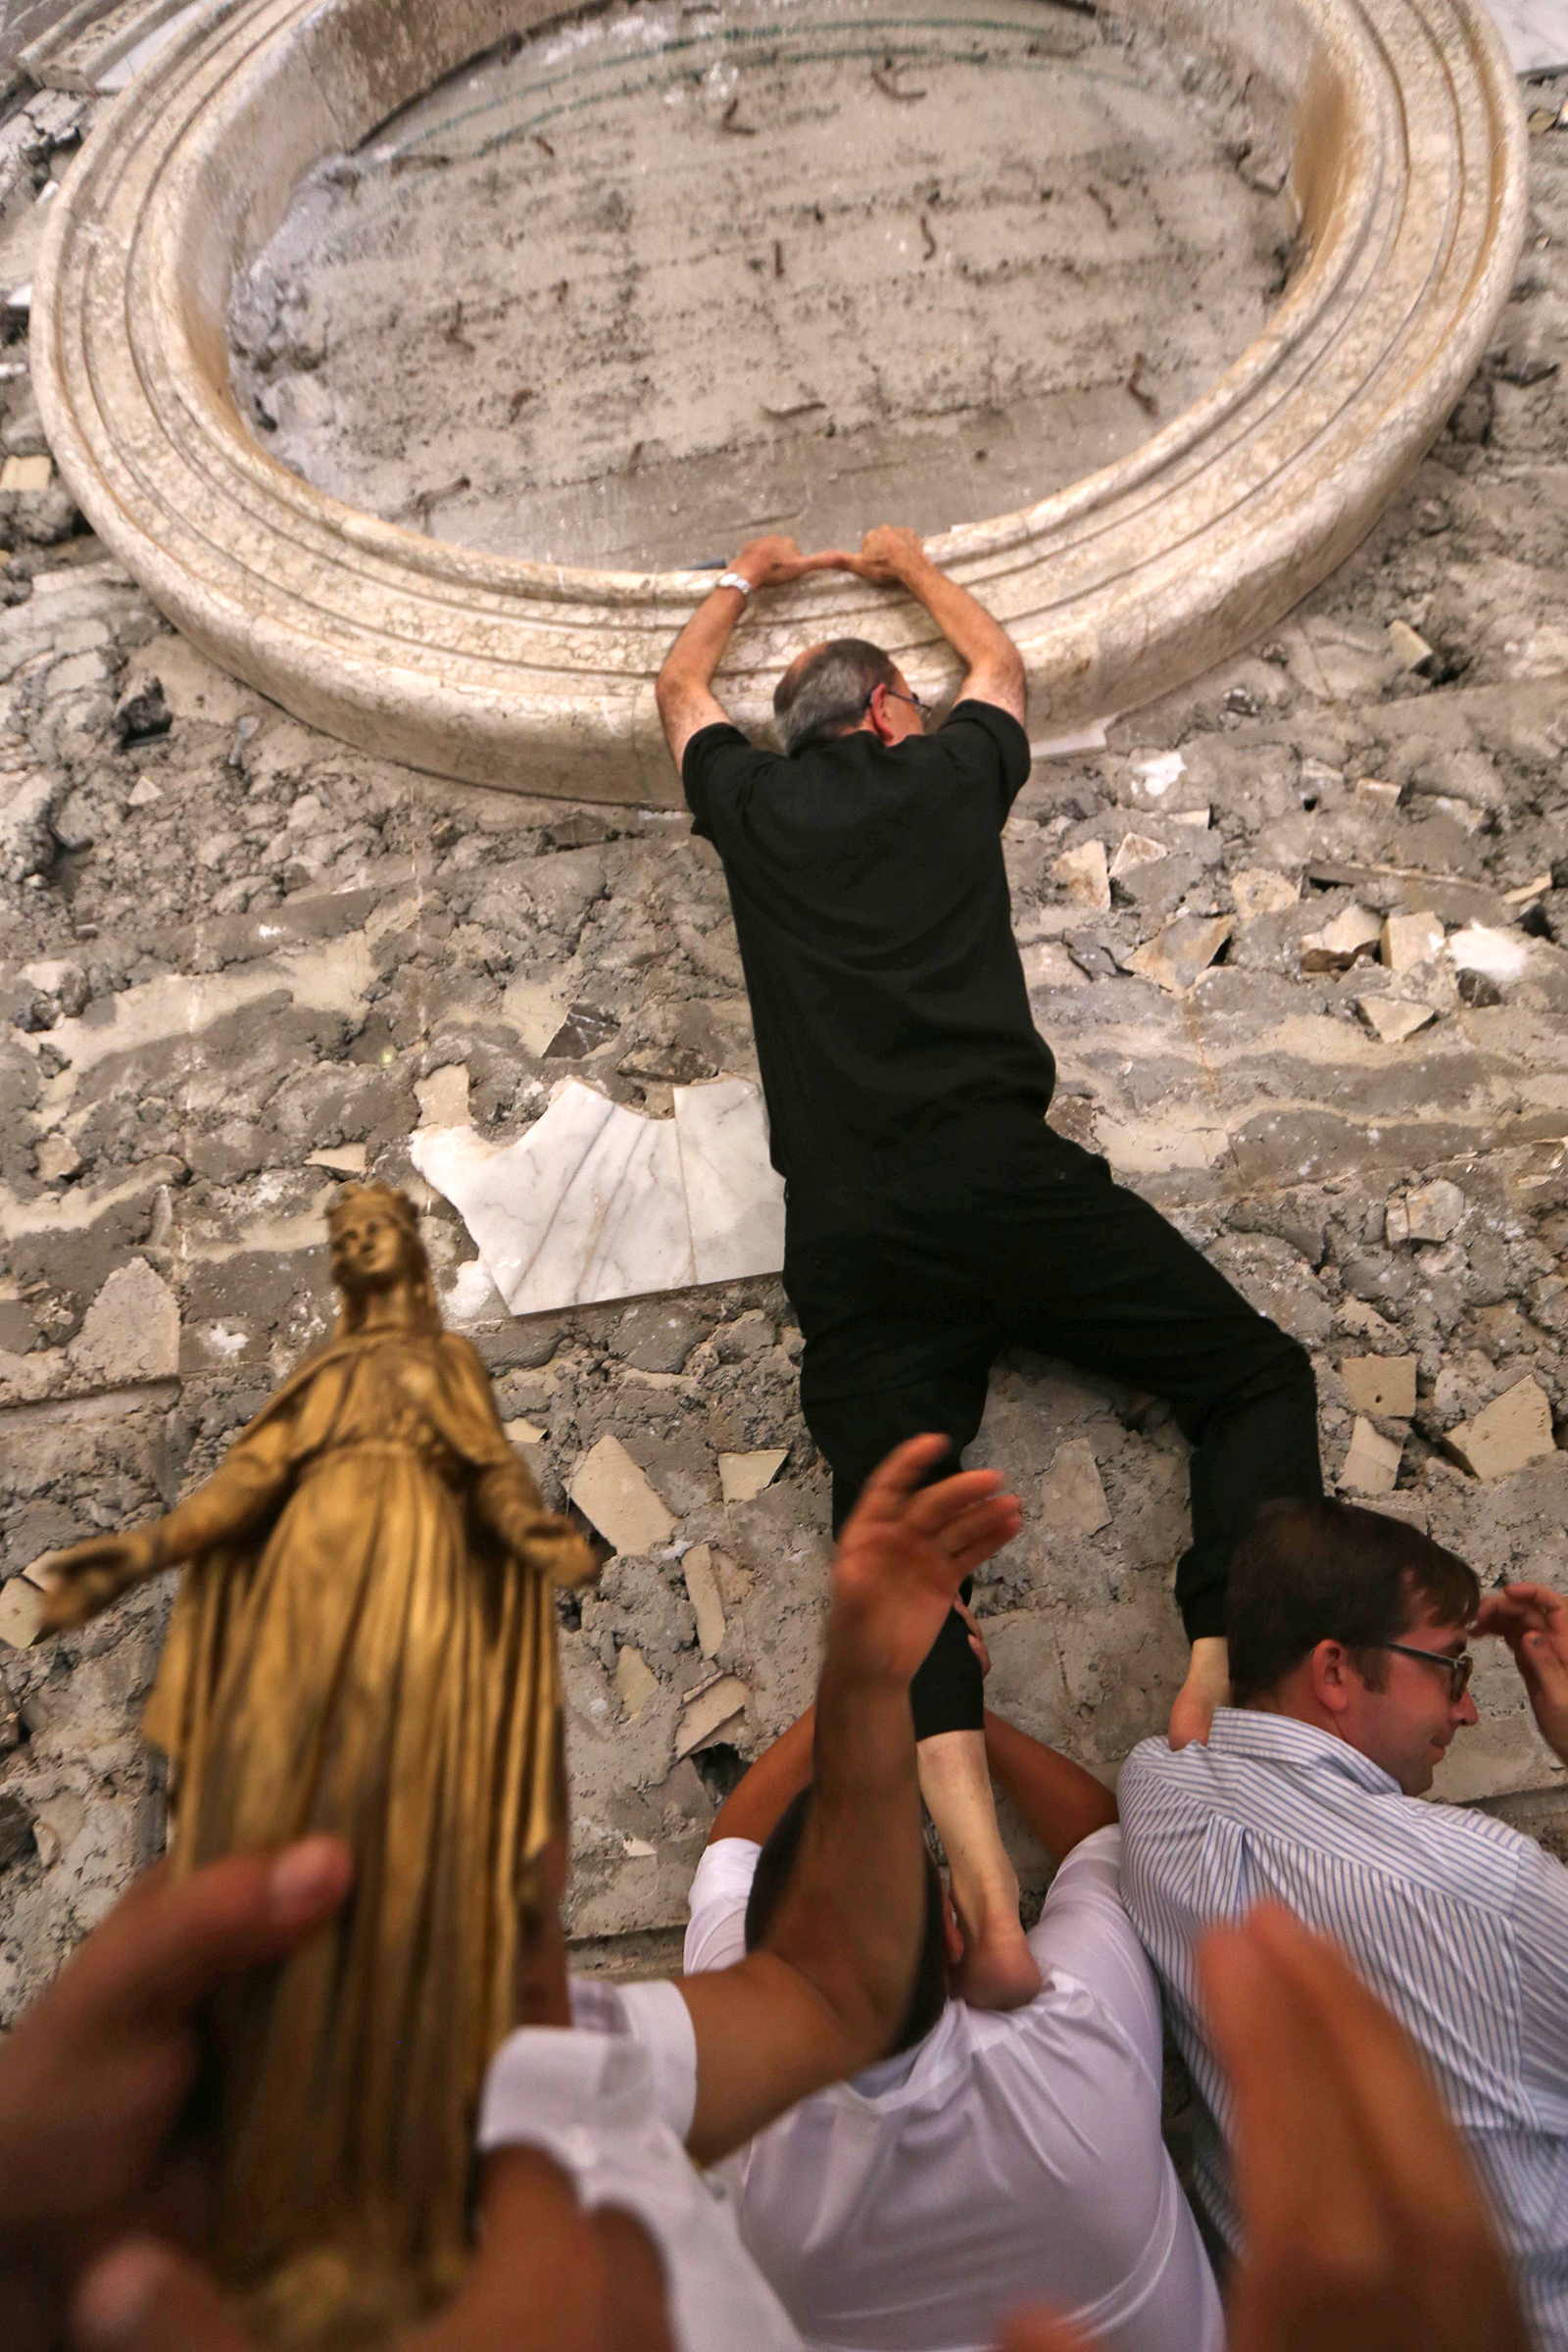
(913, 700)
(1458, 1670)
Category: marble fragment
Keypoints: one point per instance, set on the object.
(614, 1496)
(534, 1011)
(708, 1713)
(743, 1474)
(443, 1097)
(1071, 1495)
(1515, 1428)
(635, 1681)
(1183, 952)
(1410, 938)
(1392, 1021)
(733, 1195)
(21, 1611)
(702, 1591)
(1353, 933)
(1259, 890)
(1083, 876)
(1154, 772)
(1133, 851)
(1380, 1384)
(1372, 1463)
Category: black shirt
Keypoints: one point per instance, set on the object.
(871, 905)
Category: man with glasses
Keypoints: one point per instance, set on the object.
(933, 1217)
(1351, 1674)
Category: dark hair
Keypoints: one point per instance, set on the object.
(774, 1865)
(1330, 1571)
(827, 694)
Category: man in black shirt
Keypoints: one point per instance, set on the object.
(932, 1217)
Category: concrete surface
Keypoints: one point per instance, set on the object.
(523, 672)
(235, 952)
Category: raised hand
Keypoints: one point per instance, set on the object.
(773, 561)
(1533, 1620)
(905, 1550)
(84, 1580)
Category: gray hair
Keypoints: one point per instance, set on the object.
(827, 694)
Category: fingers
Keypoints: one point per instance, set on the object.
(142, 2297)
(896, 1479)
(1039, 2331)
(173, 1939)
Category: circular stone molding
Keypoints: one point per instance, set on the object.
(1409, 172)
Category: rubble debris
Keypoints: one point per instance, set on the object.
(1428, 1212)
(1351, 938)
(1381, 795)
(1133, 851)
(143, 715)
(1478, 991)
(26, 473)
(1407, 939)
(21, 1611)
(443, 1097)
(1410, 649)
(28, 846)
(1380, 1384)
(1514, 1429)
(1136, 386)
(1084, 876)
(1257, 890)
(702, 1591)
(1392, 1020)
(16, 1828)
(1372, 1463)
(1183, 952)
(635, 1680)
(707, 1712)
(741, 1475)
(1072, 1496)
(613, 1497)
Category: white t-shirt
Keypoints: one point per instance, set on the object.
(611, 2103)
(1011, 2158)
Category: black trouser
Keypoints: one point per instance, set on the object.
(997, 1232)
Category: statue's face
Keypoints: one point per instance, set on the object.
(366, 1251)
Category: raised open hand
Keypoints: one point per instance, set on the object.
(903, 1552)
(1533, 1620)
(85, 1579)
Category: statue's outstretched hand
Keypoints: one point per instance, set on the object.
(566, 1557)
(86, 1578)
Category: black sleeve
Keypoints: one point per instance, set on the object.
(708, 765)
(1005, 753)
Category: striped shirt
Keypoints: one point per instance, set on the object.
(1459, 1923)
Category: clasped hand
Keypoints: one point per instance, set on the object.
(886, 556)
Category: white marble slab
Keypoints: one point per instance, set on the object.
(734, 1195)
(1536, 32)
(597, 1201)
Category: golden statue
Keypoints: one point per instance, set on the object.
(362, 1643)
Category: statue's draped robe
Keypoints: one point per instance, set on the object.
(376, 1657)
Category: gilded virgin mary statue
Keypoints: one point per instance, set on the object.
(362, 1643)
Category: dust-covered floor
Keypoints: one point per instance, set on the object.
(664, 277)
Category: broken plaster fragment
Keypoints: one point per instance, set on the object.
(635, 1681)
(443, 1097)
(26, 473)
(1410, 938)
(131, 1330)
(614, 1496)
(1183, 952)
(743, 1474)
(1392, 1021)
(1408, 647)
(1500, 956)
(1380, 1384)
(1353, 933)
(1515, 1428)
(709, 1712)
(21, 1611)
(1428, 1212)
(1082, 874)
(1133, 851)
(1072, 1497)
(1259, 890)
(702, 1591)
(1372, 1464)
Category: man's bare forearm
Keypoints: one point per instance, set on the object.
(852, 1919)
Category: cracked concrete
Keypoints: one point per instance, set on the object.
(235, 952)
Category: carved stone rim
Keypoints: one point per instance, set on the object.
(1409, 170)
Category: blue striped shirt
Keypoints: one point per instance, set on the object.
(1459, 1923)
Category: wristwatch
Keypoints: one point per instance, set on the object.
(734, 579)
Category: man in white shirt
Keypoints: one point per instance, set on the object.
(995, 2158)
(1347, 1633)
